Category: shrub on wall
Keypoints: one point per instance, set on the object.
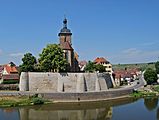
(10, 81)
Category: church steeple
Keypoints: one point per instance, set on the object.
(66, 45)
(65, 23)
(65, 33)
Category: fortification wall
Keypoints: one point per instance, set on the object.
(65, 82)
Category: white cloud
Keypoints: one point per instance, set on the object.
(16, 54)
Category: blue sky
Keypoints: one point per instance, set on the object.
(122, 31)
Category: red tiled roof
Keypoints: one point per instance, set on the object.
(124, 73)
(100, 60)
(11, 77)
(117, 75)
(66, 46)
(11, 69)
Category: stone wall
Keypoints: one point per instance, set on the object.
(65, 82)
(87, 96)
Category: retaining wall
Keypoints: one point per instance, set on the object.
(65, 82)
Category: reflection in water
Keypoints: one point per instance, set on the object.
(157, 114)
(91, 114)
(9, 114)
(151, 103)
(123, 109)
(68, 111)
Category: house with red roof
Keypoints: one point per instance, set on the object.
(9, 74)
(105, 63)
(127, 75)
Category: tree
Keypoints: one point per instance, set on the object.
(157, 67)
(100, 68)
(52, 59)
(29, 62)
(12, 64)
(150, 76)
(90, 67)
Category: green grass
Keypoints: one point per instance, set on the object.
(141, 66)
(140, 94)
(156, 88)
(21, 101)
(137, 94)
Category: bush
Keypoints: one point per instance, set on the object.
(10, 82)
(37, 101)
(150, 76)
(157, 67)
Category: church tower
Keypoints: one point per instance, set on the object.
(66, 44)
(65, 33)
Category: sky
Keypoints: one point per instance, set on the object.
(122, 31)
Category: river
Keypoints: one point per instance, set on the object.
(123, 109)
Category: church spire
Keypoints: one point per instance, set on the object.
(65, 23)
(65, 31)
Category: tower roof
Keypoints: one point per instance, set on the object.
(65, 30)
(100, 60)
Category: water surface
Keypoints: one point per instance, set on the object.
(123, 109)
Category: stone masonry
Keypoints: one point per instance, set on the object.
(65, 82)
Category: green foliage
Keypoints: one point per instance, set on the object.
(137, 94)
(150, 76)
(51, 59)
(37, 101)
(10, 101)
(156, 88)
(140, 94)
(100, 68)
(92, 67)
(141, 66)
(157, 67)
(29, 62)
(12, 64)
(10, 81)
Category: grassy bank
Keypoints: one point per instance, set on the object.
(15, 101)
(150, 91)
(142, 94)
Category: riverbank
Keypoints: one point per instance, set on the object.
(27, 98)
(148, 91)
(16, 101)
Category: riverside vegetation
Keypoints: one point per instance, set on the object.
(15, 101)
(149, 91)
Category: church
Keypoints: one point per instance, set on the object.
(66, 45)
